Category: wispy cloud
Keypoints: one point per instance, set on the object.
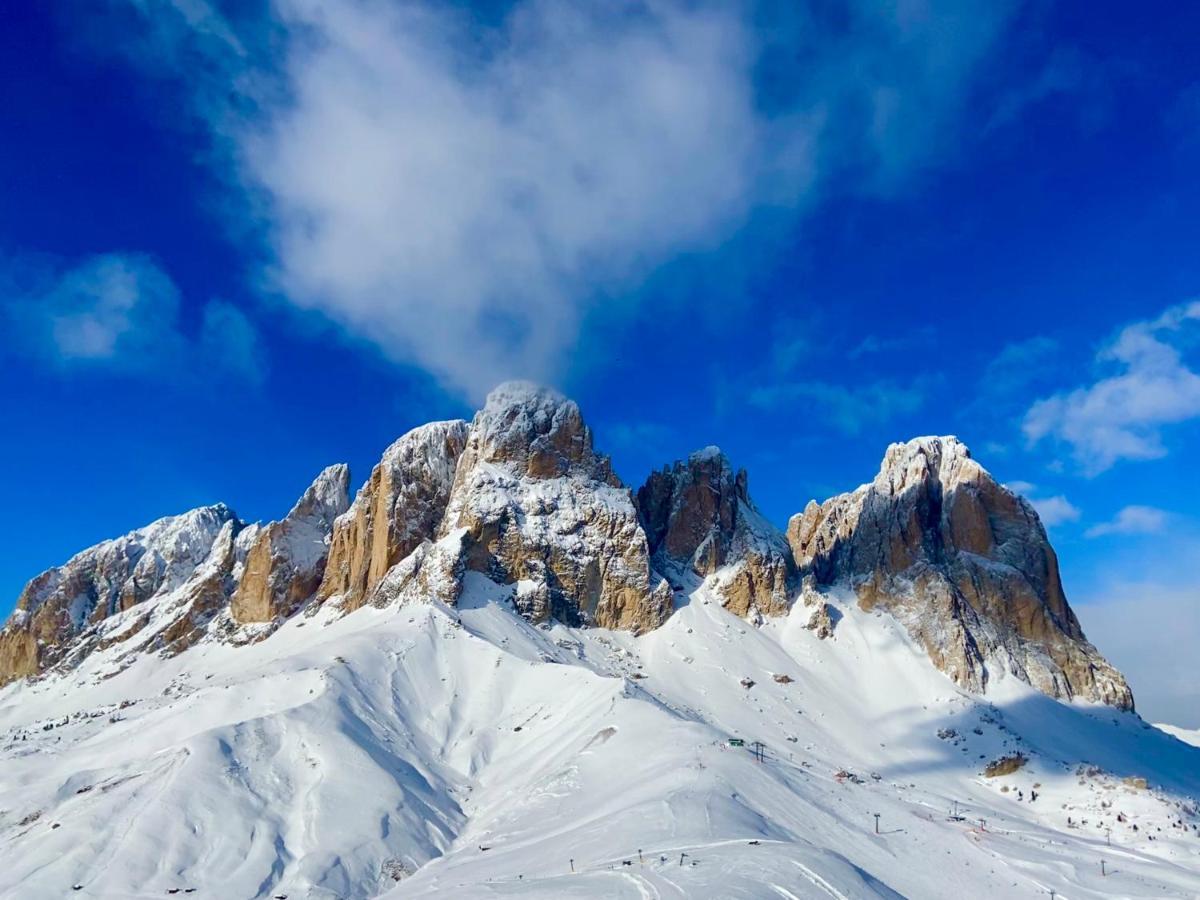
(640, 435)
(120, 312)
(1132, 520)
(1068, 72)
(1055, 510)
(1122, 415)
(1018, 365)
(902, 343)
(847, 408)
(1021, 487)
(463, 192)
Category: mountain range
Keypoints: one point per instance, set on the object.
(499, 670)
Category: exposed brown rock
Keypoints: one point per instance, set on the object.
(399, 507)
(59, 605)
(534, 502)
(1005, 765)
(286, 563)
(821, 621)
(964, 564)
(699, 517)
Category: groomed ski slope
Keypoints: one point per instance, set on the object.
(427, 751)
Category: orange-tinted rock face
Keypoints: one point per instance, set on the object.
(61, 603)
(698, 516)
(964, 563)
(286, 562)
(399, 507)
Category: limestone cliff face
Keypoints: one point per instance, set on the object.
(400, 506)
(964, 564)
(103, 581)
(532, 502)
(519, 506)
(698, 517)
(286, 562)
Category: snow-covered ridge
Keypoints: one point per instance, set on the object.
(431, 751)
(474, 681)
(537, 503)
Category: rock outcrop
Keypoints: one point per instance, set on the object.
(102, 581)
(699, 518)
(286, 562)
(517, 506)
(401, 506)
(535, 503)
(964, 564)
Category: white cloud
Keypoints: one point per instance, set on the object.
(464, 193)
(120, 311)
(1122, 416)
(1055, 510)
(1132, 520)
(1021, 487)
(115, 309)
(1141, 628)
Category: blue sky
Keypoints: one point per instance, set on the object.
(241, 242)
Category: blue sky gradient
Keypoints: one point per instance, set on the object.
(839, 234)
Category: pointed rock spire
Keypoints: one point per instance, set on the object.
(699, 517)
(399, 508)
(286, 563)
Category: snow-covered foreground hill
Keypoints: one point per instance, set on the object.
(422, 750)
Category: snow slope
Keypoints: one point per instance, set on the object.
(1187, 735)
(421, 751)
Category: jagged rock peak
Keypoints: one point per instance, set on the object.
(326, 498)
(964, 563)
(400, 506)
(103, 580)
(698, 515)
(537, 430)
(286, 562)
(945, 458)
(534, 504)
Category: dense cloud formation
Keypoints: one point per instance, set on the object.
(463, 193)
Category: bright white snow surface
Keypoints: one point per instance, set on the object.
(423, 751)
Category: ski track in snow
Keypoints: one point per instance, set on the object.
(430, 752)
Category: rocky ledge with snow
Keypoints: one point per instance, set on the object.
(520, 497)
(964, 563)
(500, 672)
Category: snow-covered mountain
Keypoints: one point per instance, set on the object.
(499, 671)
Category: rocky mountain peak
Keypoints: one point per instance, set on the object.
(400, 507)
(944, 459)
(963, 563)
(537, 431)
(286, 562)
(521, 497)
(699, 517)
(109, 578)
(534, 507)
(325, 499)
